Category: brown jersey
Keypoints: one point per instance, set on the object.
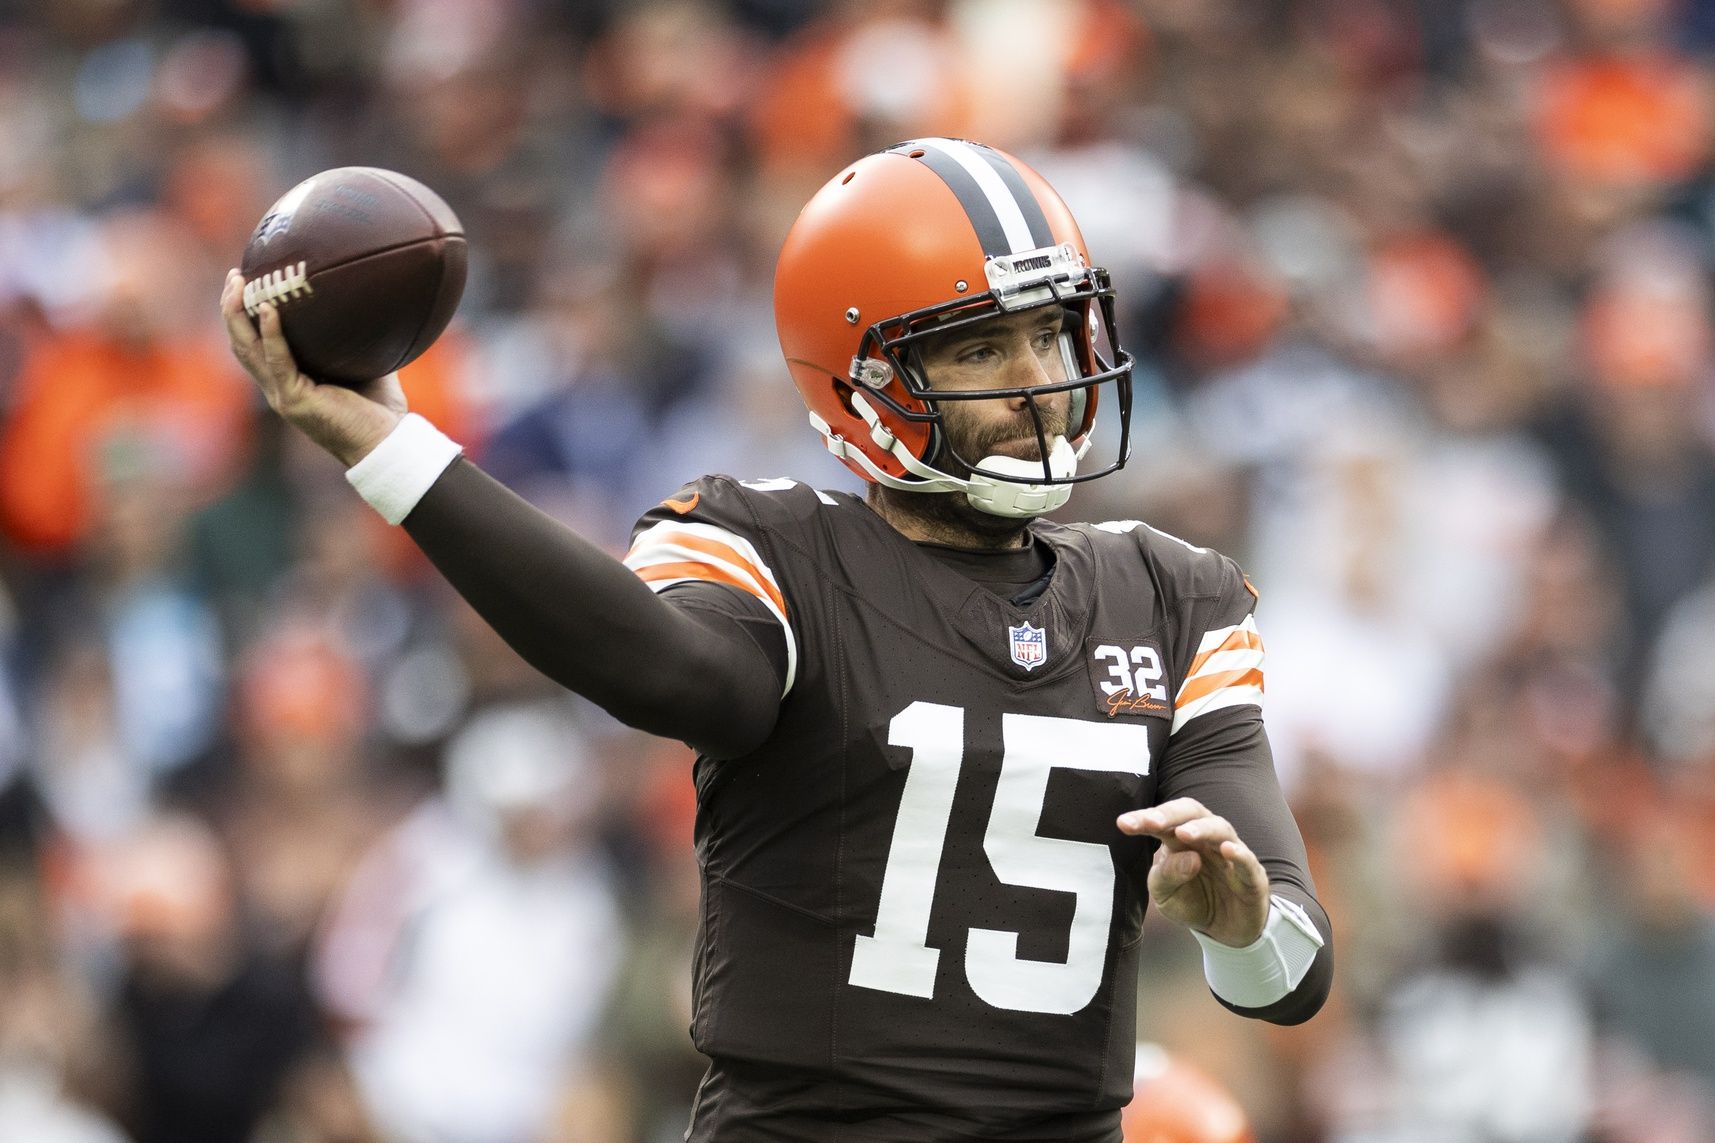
(919, 918)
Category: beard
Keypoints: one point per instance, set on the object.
(966, 441)
(950, 516)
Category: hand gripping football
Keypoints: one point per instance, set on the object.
(365, 267)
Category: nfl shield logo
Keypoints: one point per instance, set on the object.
(1029, 646)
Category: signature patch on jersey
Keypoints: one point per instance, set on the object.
(1029, 645)
(1129, 678)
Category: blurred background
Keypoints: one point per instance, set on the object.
(293, 851)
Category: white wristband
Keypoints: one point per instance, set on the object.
(396, 473)
(1269, 967)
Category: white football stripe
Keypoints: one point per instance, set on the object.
(993, 188)
(663, 533)
(1221, 662)
(1216, 700)
(1213, 639)
(654, 546)
(659, 554)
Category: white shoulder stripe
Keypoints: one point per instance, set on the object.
(733, 572)
(1226, 671)
(669, 553)
(664, 535)
(1213, 639)
(663, 544)
(1216, 700)
(1230, 659)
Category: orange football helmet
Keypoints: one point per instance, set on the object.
(1173, 1102)
(927, 236)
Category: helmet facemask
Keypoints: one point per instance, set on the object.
(888, 383)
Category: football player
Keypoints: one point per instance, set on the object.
(947, 750)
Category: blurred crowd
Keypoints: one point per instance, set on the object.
(293, 850)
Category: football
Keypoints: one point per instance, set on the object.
(365, 267)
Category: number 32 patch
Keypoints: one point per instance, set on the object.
(1128, 679)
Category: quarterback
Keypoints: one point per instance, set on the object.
(948, 751)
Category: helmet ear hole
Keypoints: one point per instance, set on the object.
(842, 394)
(1077, 330)
(931, 453)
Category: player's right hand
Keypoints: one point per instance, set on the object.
(1204, 876)
(347, 421)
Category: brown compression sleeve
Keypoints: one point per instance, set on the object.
(707, 670)
(1223, 760)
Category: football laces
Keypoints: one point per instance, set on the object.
(276, 286)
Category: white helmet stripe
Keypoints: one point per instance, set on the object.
(1000, 199)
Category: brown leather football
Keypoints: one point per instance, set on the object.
(365, 266)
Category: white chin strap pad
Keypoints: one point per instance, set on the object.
(1018, 498)
(995, 494)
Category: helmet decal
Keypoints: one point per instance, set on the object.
(1005, 215)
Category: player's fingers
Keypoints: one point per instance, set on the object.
(231, 288)
(283, 380)
(1206, 833)
(239, 328)
(1172, 871)
(1177, 865)
(1243, 868)
(1160, 821)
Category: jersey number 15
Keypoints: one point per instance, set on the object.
(897, 958)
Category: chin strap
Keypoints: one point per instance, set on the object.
(1020, 499)
(989, 491)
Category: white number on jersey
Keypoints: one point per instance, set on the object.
(1121, 662)
(897, 958)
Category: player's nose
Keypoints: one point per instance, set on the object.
(1026, 369)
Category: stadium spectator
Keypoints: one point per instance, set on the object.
(1653, 971)
(472, 953)
(55, 1066)
(297, 801)
(210, 1023)
(136, 368)
(1471, 848)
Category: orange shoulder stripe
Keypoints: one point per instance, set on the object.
(713, 574)
(725, 552)
(1208, 684)
(1239, 640)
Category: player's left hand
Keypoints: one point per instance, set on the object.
(1203, 876)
